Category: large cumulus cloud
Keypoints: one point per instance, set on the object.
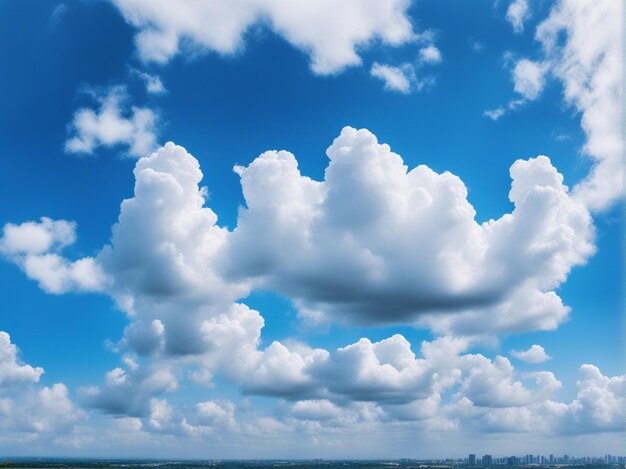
(375, 242)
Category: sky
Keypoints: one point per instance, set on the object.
(311, 229)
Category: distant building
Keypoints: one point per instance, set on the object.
(487, 460)
(471, 460)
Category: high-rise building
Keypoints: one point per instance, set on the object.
(471, 460)
(487, 460)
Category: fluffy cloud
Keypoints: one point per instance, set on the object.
(376, 243)
(581, 45)
(329, 33)
(430, 55)
(131, 391)
(37, 412)
(371, 243)
(395, 78)
(35, 247)
(404, 78)
(517, 13)
(597, 408)
(535, 354)
(599, 405)
(216, 414)
(11, 371)
(28, 411)
(153, 83)
(528, 78)
(386, 371)
(114, 123)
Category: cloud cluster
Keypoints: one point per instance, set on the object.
(373, 242)
(115, 123)
(330, 33)
(382, 383)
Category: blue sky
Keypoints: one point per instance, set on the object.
(143, 335)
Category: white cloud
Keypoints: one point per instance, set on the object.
(600, 403)
(114, 123)
(430, 55)
(535, 354)
(37, 237)
(35, 247)
(13, 373)
(355, 246)
(517, 13)
(153, 83)
(597, 408)
(27, 411)
(360, 246)
(582, 45)
(328, 32)
(528, 78)
(495, 114)
(395, 78)
(37, 412)
(219, 415)
(320, 410)
(131, 391)
(385, 371)
(404, 78)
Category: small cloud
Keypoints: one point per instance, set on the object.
(153, 83)
(535, 354)
(529, 78)
(495, 114)
(476, 46)
(429, 55)
(395, 78)
(114, 123)
(517, 13)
